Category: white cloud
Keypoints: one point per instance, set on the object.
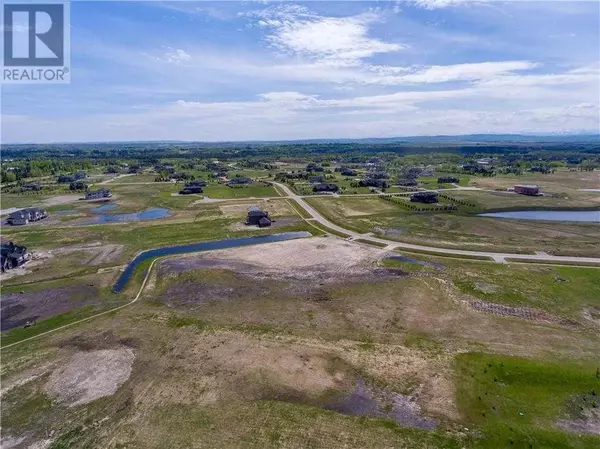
(177, 56)
(435, 4)
(337, 41)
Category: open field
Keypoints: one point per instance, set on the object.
(313, 341)
(462, 229)
(318, 342)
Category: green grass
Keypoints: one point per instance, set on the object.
(552, 262)
(454, 256)
(564, 291)
(461, 229)
(19, 333)
(515, 402)
(409, 267)
(370, 242)
(177, 321)
(278, 423)
(327, 229)
(253, 190)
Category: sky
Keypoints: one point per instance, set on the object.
(265, 70)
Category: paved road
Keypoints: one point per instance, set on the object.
(498, 257)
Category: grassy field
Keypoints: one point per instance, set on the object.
(565, 291)
(460, 229)
(275, 345)
(517, 402)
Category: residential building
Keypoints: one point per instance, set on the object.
(255, 215)
(424, 197)
(96, 194)
(325, 188)
(191, 190)
(314, 167)
(196, 183)
(78, 185)
(448, 180)
(527, 189)
(32, 186)
(347, 172)
(373, 182)
(239, 181)
(24, 216)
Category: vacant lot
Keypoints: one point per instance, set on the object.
(311, 343)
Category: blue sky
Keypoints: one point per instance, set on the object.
(257, 70)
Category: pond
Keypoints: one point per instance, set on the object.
(551, 215)
(202, 246)
(103, 208)
(148, 214)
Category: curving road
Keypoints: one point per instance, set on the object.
(498, 257)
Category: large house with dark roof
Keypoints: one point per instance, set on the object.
(258, 217)
(325, 188)
(424, 197)
(97, 194)
(24, 216)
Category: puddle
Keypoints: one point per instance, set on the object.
(426, 263)
(371, 401)
(103, 208)
(148, 214)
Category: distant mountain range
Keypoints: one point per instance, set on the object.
(450, 139)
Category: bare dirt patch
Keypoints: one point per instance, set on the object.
(18, 308)
(88, 376)
(240, 226)
(314, 258)
(367, 400)
(98, 253)
(584, 414)
(520, 312)
(274, 207)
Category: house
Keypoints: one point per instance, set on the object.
(17, 218)
(424, 197)
(196, 183)
(325, 188)
(78, 185)
(255, 215)
(372, 182)
(239, 181)
(12, 255)
(316, 179)
(347, 172)
(24, 216)
(188, 190)
(80, 175)
(527, 189)
(314, 167)
(222, 179)
(65, 178)
(32, 186)
(448, 180)
(264, 222)
(407, 183)
(96, 194)
(378, 174)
